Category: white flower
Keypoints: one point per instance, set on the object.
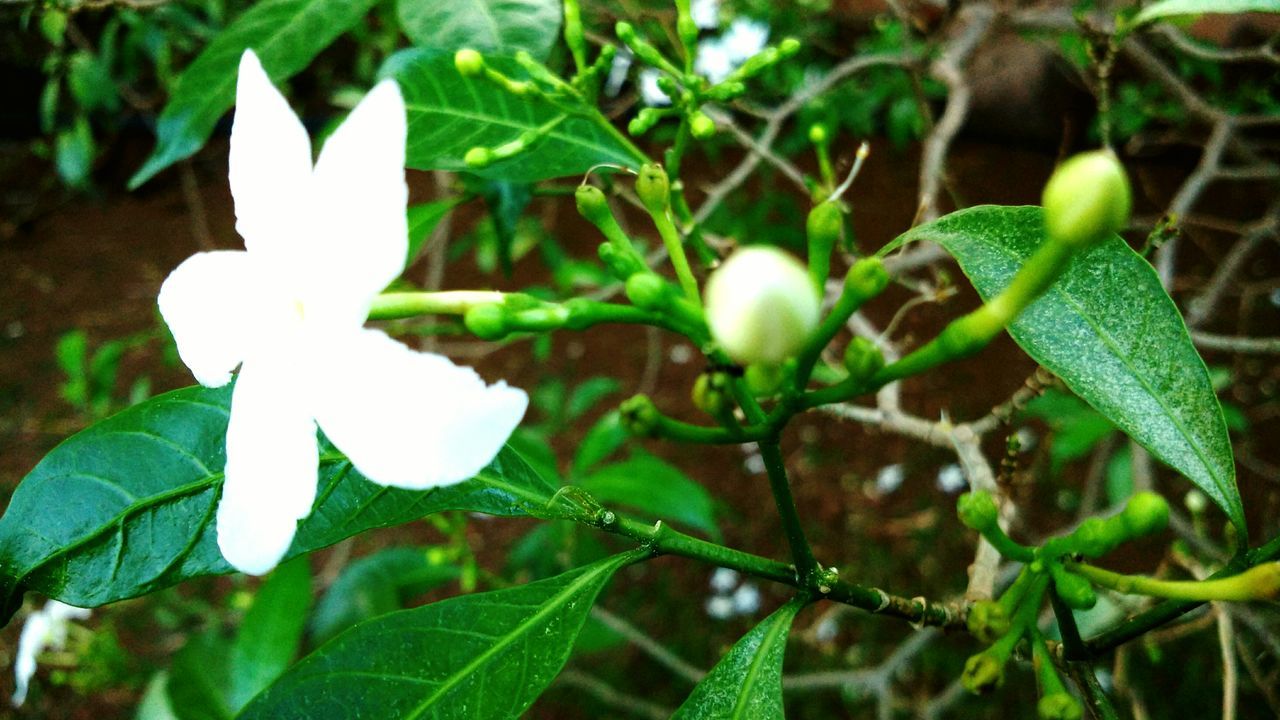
(723, 580)
(719, 607)
(890, 478)
(705, 13)
(44, 629)
(719, 56)
(951, 479)
(650, 93)
(746, 599)
(320, 243)
(618, 72)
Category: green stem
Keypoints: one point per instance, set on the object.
(672, 429)
(806, 566)
(400, 305)
(846, 305)
(1256, 583)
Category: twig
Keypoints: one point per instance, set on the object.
(654, 649)
(1242, 345)
(611, 696)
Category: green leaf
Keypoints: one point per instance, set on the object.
(487, 655)
(1109, 330)
(271, 633)
(490, 26)
(199, 679)
(450, 114)
(285, 34)
(1172, 8)
(747, 682)
(376, 585)
(423, 219)
(588, 393)
(73, 153)
(656, 489)
(155, 700)
(126, 507)
(602, 440)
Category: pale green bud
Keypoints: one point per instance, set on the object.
(1086, 199)
(468, 62)
(761, 305)
(1145, 513)
(701, 126)
(978, 511)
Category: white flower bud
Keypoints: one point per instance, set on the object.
(761, 305)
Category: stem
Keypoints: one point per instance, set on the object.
(1256, 583)
(672, 429)
(846, 305)
(679, 261)
(400, 305)
(806, 566)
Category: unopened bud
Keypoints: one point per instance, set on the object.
(761, 305)
(478, 157)
(711, 393)
(639, 416)
(654, 188)
(701, 126)
(468, 62)
(867, 278)
(788, 47)
(988, 621)
(982, 674)
(1086, 199)
(862, 358)
(487, 322)
(764, 380)
(978, 511)
(1145, 513)
(648, 291)
(1074, 590)
(1059, 706)
(818, 134)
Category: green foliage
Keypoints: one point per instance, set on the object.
(286, 35)
(657, 489)
(1111, 333)
(747, 682)
(449, 114)
(271, 633)
(145, 484)
(491, 26)
(376, 585)
(491, 653)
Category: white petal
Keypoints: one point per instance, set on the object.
(361, 233)
(270, 165)
(272, 460)
(411, 419)
(35, 634)
(211, 305)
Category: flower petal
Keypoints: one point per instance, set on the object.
(270, 163)
(211, 305)
(411, 419)
(361, 236)
(272, 461)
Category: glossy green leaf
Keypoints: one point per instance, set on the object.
(376, 585)
(199, 679)
(487, 655)
(602, 440)
(490, 26)
(126, 507)
(285, 34)
(450, 114)
(271, 633)
(1173, 8)
(155, 704)
(423, 219)
(1109, 330)
(747, 682)
(657, 489)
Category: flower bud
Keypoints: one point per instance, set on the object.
(761, 305)
(478, 157)
(591, 203)
(978, 511)
(788, 47)
(653, 188)
(867, 278)
(701, 126)
(648, 291)
(988, 621)
(1074, 590)
(1059, 706)
(764, 380)
(1145, 513)
(862, 358)
(982, 674)
(487, 322)
(468, 62)
(639, 416)
(818, 134)
(1086, 199)
(711, 394)
(1096, 537)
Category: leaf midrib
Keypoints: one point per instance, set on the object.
(780, 625)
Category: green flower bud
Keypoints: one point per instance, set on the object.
(988, 621)
(591, 203)
(788, 47)
(711, 394)
(862, 358)
(644, 121)
(823, 227)
(978, 511)
(818, 134)
(982, 674)
(625, 32)
(468, 62)
(867, 278)
(1145, 513)
(653, 188)
(1074, 590)
(648, 291)
(1086, 199)
(761, 306)
(701, 126)
(639, 416)
(620, 264)
(764, 380)
(479, 157)
(1096, 537)
(1059, 706)
(487, 322)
